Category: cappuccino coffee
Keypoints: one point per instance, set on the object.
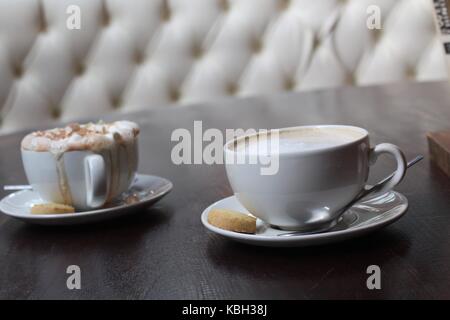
(320, 169)
(305, 139)
(82, 165)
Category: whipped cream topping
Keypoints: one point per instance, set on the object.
(90, 136)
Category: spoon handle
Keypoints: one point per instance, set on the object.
(375, 187)
(362, 194)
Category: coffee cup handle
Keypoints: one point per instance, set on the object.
(96, 181)
(401, 164)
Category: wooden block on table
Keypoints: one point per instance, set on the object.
(439, 147)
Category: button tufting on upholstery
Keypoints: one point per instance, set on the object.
(411, 73)
(197, 51)
(43, 28)
(350, 78)
(116, 102)
(284, 4)
(80, 69)
(174, 94)
(138, 57)
(17, 71)
(316, 43)
(165, 11)
(224, 5)
(55, 112)
(105, 15)
(204, 49)
(289, 84)
(41, 19)
(232, 88)
(256, 46)
(376, 34)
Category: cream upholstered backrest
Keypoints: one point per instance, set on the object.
(138, 54)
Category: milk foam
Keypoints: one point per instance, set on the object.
(297, 141)
(310, 143)
(91, 136)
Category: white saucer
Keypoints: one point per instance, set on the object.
(364, 217)
(144, 191)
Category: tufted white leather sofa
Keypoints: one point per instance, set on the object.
(140, 54)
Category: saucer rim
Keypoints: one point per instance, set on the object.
(168, 186)
(264, 239)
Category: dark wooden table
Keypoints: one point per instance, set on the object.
(165, 252)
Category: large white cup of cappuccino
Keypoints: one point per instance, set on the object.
(84, 166)
(320, 170)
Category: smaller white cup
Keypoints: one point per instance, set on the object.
(311, 186)
(84, 179)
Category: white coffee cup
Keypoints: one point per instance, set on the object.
(85, 179)
(320, 170)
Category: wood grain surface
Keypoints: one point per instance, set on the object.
(164, 252)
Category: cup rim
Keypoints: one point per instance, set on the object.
(364, 132)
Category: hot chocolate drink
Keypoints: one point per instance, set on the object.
(82, 165)
(91, 136)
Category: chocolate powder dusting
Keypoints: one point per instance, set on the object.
(77, 136)
(71, 129)
(118, 137)
(136, 132)
(74, 126)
